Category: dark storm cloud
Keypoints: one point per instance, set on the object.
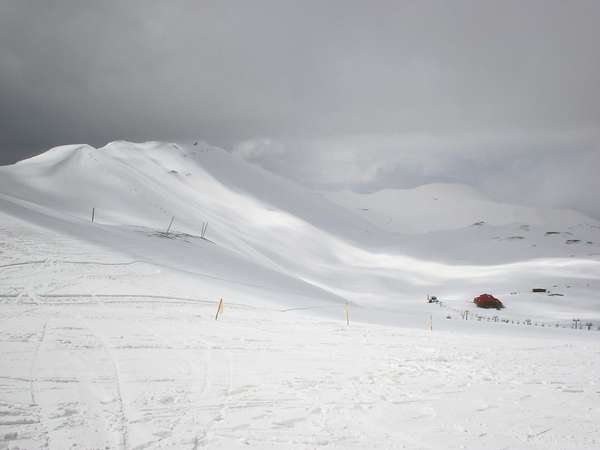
(301, 72)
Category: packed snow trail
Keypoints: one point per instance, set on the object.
(295, 382)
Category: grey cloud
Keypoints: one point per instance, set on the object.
(82, 70)
(546, 169)
(294, 73)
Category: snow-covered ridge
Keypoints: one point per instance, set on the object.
(446, 206)
(108, 337)
(267, 231)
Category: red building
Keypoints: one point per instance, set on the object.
(488, 301)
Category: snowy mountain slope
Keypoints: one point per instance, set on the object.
(268, 231)
(147, 183)
(108, 337)
(99, 350)
(456, 224)
(147, 179)
(446, 206)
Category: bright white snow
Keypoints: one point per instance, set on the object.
(108, 337)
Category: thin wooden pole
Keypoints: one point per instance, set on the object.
(219, 309)
(93, 214)
(170, 224)
(347, 315)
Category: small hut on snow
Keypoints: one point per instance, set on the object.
(488, 301)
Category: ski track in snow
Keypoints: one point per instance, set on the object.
(304, 383)
(116, 381)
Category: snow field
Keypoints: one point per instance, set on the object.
(108, 337)
(103, 370)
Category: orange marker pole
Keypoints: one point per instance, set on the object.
(219, 309)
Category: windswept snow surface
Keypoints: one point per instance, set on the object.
(444, 206)
(108, 337)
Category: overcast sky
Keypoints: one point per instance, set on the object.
(501, 94)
